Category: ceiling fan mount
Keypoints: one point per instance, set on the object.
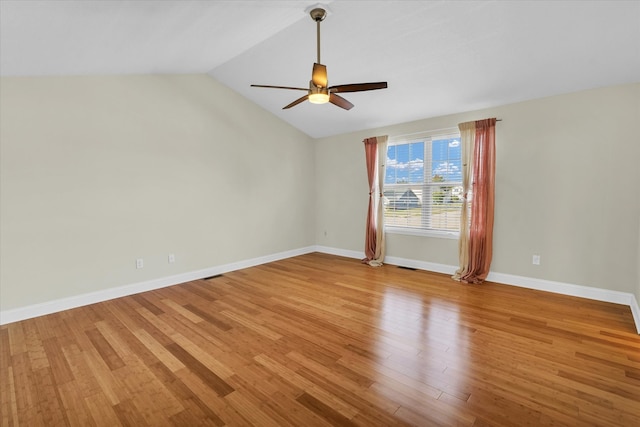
(318, 14)
(319, 91)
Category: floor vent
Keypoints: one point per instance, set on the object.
(212, 277)
(407, 268)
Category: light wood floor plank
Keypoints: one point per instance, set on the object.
(321, 340)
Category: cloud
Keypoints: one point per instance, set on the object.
(446, 168)
(416, 164)
(412, 165)
(454, 143)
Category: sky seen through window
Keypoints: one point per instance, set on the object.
(406, 162)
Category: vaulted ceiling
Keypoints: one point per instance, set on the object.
(438, 57)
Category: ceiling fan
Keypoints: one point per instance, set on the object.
(319, 92)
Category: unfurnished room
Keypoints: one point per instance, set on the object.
(345, 213)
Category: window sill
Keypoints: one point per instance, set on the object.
(423, 233)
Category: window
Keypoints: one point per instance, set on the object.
(423, 184)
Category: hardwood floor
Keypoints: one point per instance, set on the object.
(320, 340)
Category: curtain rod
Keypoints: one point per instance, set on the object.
(454, 128)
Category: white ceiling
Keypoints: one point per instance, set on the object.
(438, 57)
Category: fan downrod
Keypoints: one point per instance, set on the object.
(318, 14)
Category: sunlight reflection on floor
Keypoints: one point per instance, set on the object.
(423, 341)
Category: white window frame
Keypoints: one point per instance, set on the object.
(426, 137)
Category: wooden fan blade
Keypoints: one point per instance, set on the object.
(358, 87)
(296, 102)
(281, 87)
(340, 101)
(319, 76)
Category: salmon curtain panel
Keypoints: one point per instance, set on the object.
(375, 150)
(476, 233)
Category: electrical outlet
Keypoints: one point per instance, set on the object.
(536, 260)
(171, 258)
(139, 263)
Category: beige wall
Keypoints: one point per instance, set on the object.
(99, 171)
(567, 188)
(638, 265)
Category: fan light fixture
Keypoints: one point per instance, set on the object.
(318, 98)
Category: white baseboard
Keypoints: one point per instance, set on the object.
(339, 252)
(588, 292)
(35, 310)
(421, 265)
(598, 294)
(635, 310)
